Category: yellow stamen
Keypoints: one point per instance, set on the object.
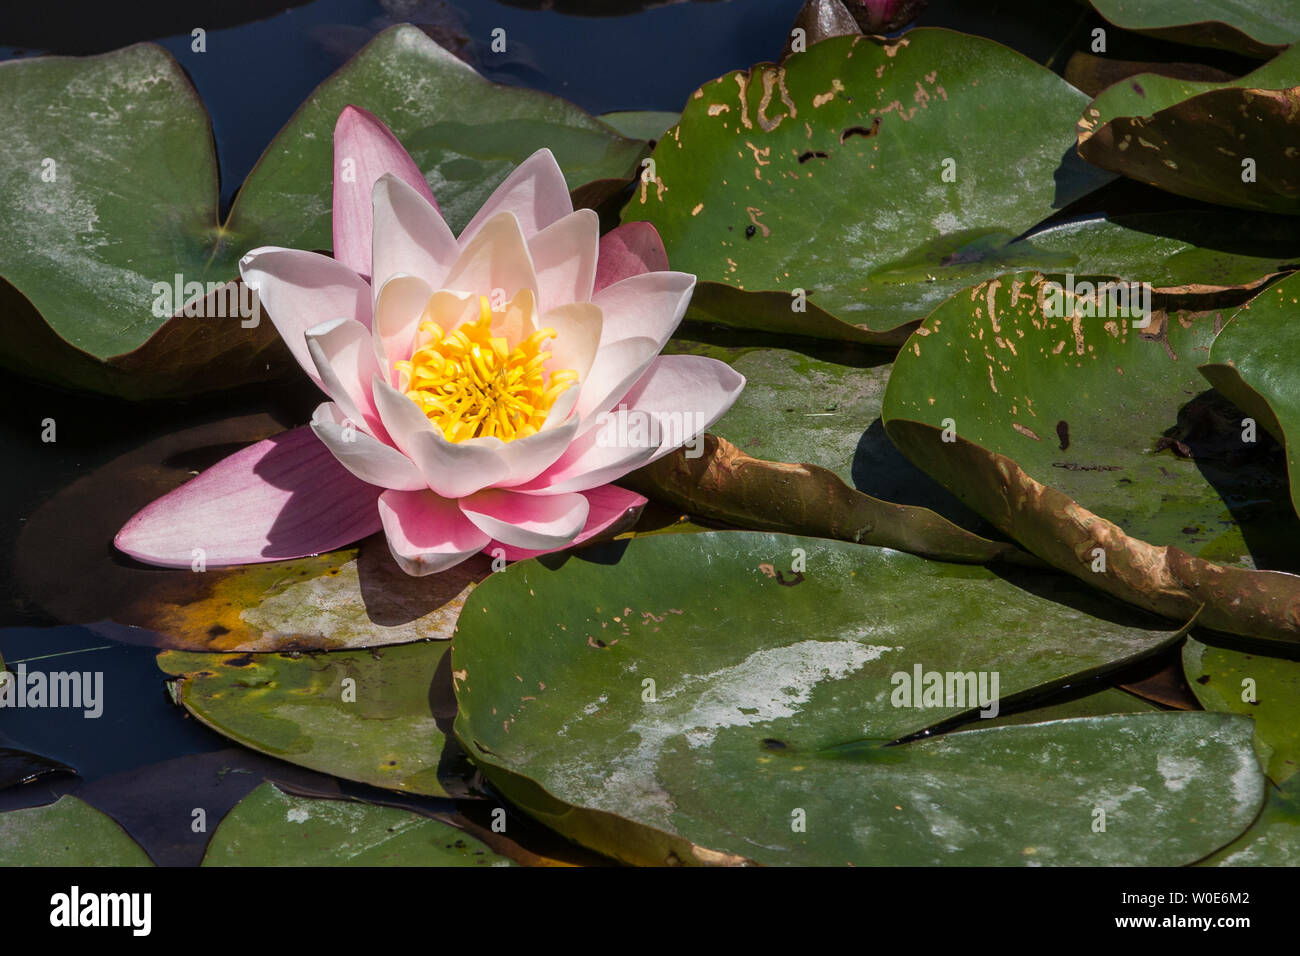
(472, 384)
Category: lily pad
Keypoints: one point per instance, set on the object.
(1222, 142)
(641, 124)
(352, 597)
(1092, 73)
(1252, 362)
(627, 721)
(1274, 838)
(1257, 28)
(67, 832)
(85, 234)
(1264, 688)
(272, 828)
(373, 716)
(1093, 444)
(856, 157)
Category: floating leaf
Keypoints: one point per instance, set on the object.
(1092, 74)
(1274, 838)
(147, 802)
(1252, 362)
(370, 716)
(1258, 28)
(67, 832)
(851, 159)
(1227, 142)
(272, 828)
(629, 722)
(1264, 688)
(641, 124)
(1094, 445)
(353, 597)
(85, 234)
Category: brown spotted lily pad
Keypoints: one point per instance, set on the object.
(1093, 442)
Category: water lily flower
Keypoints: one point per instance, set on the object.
(469, 378)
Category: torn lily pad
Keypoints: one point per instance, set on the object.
(626, 725)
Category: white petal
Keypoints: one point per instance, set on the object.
(300, 290)
(343, 354)
(452, 469)
(649, 305)
(535, 192)
(409, 235)
(496, 263)
(368, 458)
(564, 258)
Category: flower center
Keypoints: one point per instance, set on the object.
(471, 384)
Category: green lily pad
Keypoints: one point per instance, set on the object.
(67, 832)
(628, 722)
(1274, 838)
(370, 716)
(1222, 142)
(833, 167)
(641, 124)
(352, 597)
(86, 233)
(1085, 433)
(1264, 688)
(272, 828)
(1258, 28)
(1176, 252)
(1252, 362)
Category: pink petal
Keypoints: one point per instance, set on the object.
(611, 510)
(677, 398)
(427, 533)
(364, 150)
(368, 458)
(409, 234)
(285, 497)
(629, 250)
(300, 290)
(535, 192)
(527, 521)
(343, 352)
(564, 259)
